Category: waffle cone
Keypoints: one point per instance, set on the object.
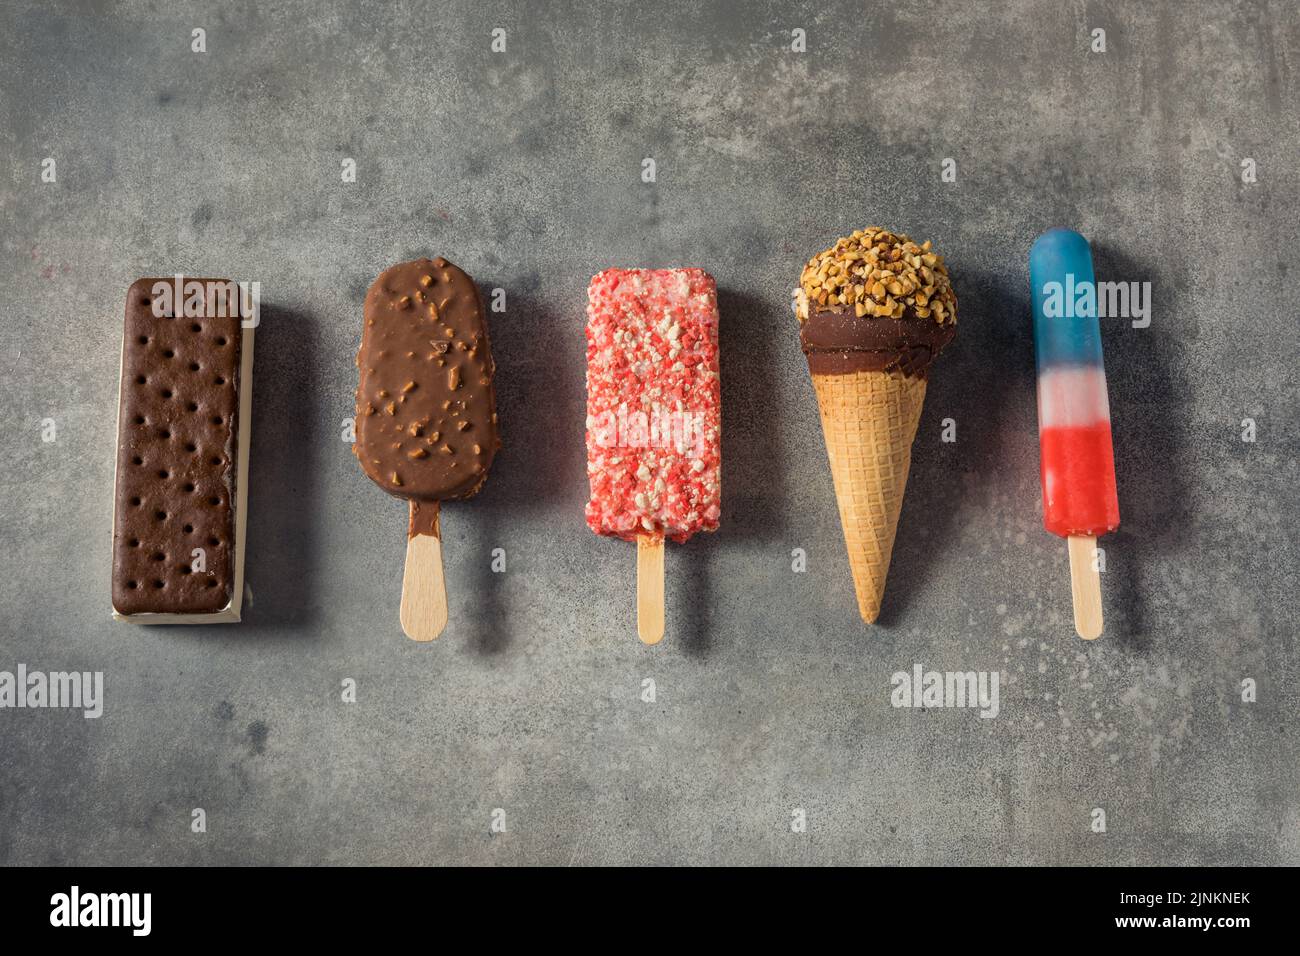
(869, 420)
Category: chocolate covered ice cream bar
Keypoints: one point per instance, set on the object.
(426, 410)
(180, 496)
(426, 413)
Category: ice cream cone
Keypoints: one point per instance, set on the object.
(874, 311)
(869, 420)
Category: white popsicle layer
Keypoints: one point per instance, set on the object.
(1072, 396)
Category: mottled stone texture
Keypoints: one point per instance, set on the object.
(525, 168)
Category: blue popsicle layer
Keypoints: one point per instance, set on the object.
(1064, 289)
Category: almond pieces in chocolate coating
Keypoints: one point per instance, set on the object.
(426, 412)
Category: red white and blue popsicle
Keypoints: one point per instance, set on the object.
(1077, 459)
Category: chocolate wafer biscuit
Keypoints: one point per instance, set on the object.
(182, 453)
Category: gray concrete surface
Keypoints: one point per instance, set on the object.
(524, 167)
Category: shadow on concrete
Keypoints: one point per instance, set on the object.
(988, 367)
(1149, 402)
(755, 501)
(541, 410)
(285, 509)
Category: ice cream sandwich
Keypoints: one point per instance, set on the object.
(181, 491)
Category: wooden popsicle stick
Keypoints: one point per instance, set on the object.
(1085, 586)
(650, 588)
(424, 593)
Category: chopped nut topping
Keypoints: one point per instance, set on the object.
(879, 274)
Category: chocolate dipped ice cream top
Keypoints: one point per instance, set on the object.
(875, 302)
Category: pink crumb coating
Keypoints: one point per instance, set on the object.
(654, 403)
